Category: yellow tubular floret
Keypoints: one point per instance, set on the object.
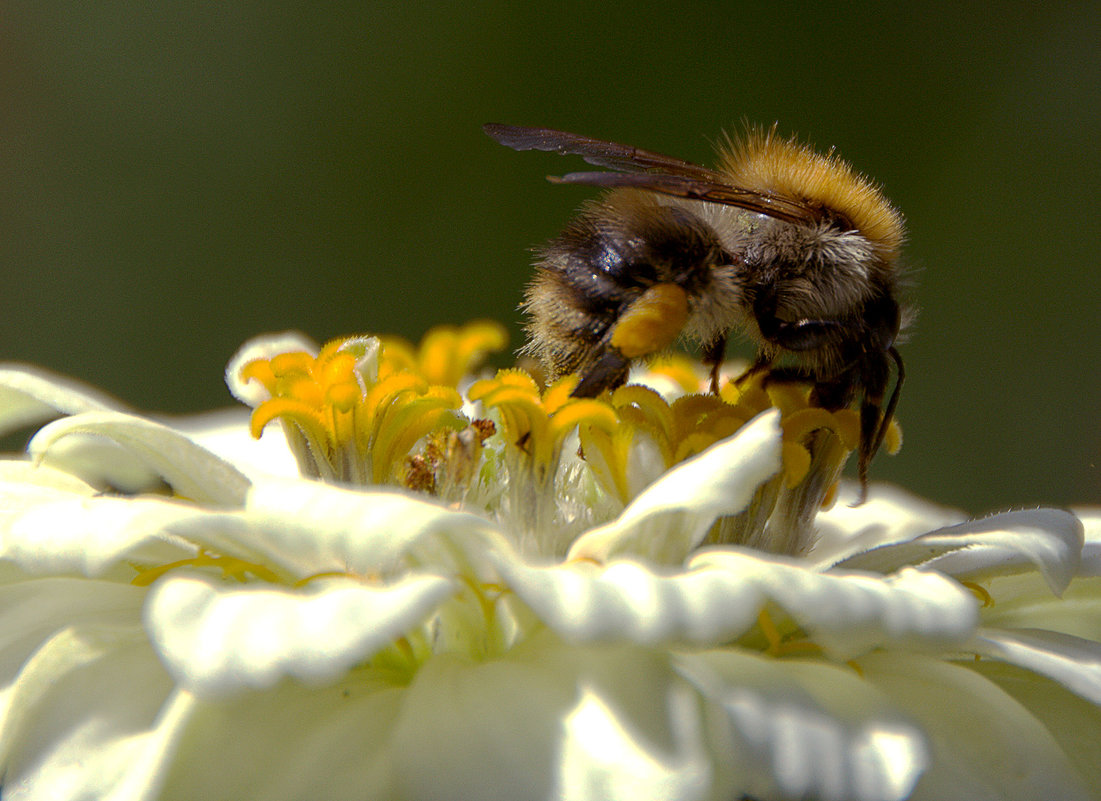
(259, 370)
(447, 353)
(680, 369)
(309, 419)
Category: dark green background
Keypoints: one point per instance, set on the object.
(176, 177)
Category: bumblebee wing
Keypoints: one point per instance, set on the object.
(693, 188)
(645, 169)
(613, 155)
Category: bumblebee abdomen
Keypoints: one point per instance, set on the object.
(606, 260)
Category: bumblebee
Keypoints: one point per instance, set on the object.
(789, 246)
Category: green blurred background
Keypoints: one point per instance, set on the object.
(178, 176)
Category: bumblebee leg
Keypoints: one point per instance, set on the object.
(650, 324)
(713, 354)
(892, 402)
(873, 420)
(607, 372)
(760, 364)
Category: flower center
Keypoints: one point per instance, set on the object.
(372, 411)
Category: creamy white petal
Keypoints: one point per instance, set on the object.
(890, 514)
(35, 613)
(790, 729)
(31, 395)
(1091, 551)
(1049, 540)
(721, 596)
(20, 475)
(24, 485)
(154, 754)
(225, 433)
(312, 527)
(984, 745)
(1074, 723)
(1026, 601)
(672, 515)
(86, 703)
(252, 393)
(217, 640)
(286, 744)
(1074, 662)
(552, 722)
(848, 613)
(628, 601)
(117, 451)
(90, 536)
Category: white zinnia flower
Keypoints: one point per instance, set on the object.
(477, 612)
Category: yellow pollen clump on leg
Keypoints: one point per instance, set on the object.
(652, 322)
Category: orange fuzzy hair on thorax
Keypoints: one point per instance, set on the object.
(765, 162)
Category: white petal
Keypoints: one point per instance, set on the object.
(310, 527)
(216, 641)
(110, 450)
(806, 730)
(1025, 601)
(1091, 551)
(672, 515)
(20, 474)
(552, 722)
(225, 433)
(251, 393)
(82, 709)
(154, 753)
(30, 395)
(289, 743)
(1074, 723)
(889, 514)
(628, 601)
(89, 536)
(1049, 540)
(720, 598)
(1072, 661)
(37, 612)
(848, 613)
(984, 745)
(24, 485)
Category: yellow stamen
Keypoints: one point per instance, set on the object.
(259, 370)
(295, 411)
(789, 397)
(355, 415)
(447, 353)
(780, 645)
(801, 424)
(980, 592)
(680, 369)
(641, 409)
(796, 460)
(231, 567)
(302, 582)
(535, 423)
